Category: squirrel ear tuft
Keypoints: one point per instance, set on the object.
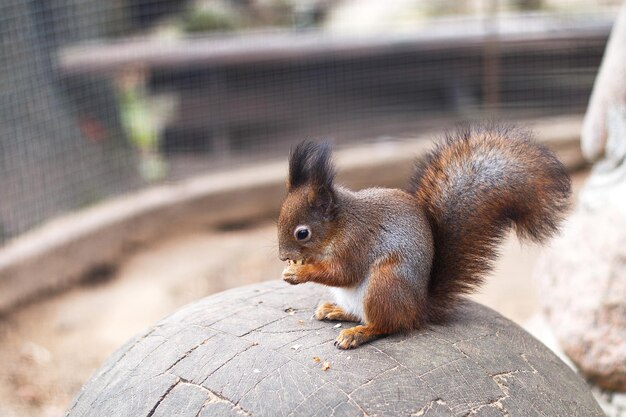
(298, 165)
(321, 168)
(311, 163)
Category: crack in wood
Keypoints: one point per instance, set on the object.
(430, 371)
(523, 355)
(129, 350)
(264, 378)
(214, 397)
(325, 390)
(475, 338)
(369, 381)
(309, 347)
(428, 407)
(289, 331)
(500, 379)
(113, 366)
(208, 324)
(398, 363)
(495, 404)
(304, 366)
(261, 326)
(160, 400)
(165, 340)
(407, 369)
(186, 354)
(227, 361)
(306, 397)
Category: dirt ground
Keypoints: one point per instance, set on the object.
(50, 348)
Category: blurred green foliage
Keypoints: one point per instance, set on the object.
(209, 20)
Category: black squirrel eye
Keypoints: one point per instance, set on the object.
(302, 233)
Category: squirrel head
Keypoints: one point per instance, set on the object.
(307, 216)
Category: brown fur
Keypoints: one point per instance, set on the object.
(531, 193)
(402, 259)
(385, 285)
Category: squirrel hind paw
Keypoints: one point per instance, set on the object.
(355, 337)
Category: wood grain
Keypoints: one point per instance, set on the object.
(250, 352)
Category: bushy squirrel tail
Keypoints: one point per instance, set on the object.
(476, 184)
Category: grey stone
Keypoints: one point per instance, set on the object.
(263, 362)
(582, 282)
(609, 90)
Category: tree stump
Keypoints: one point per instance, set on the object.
(257, 351)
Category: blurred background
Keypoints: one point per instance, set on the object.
(100, 98)
(112, 108)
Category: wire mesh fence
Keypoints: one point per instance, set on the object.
(101, 98)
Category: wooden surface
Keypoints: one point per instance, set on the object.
(250, 351)
(529, 32)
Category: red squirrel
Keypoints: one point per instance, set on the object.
(397, 260)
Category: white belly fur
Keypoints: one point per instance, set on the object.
(351, 299)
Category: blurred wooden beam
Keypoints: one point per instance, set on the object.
(525, 31)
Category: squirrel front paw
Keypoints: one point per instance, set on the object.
(290, 273)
